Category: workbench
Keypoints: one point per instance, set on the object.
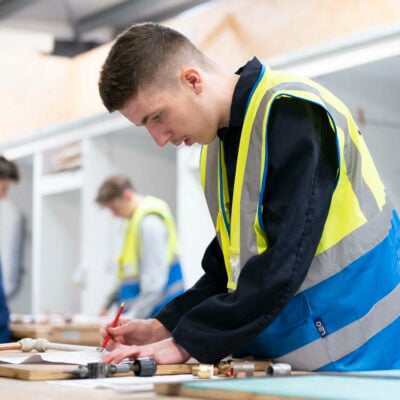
(38, 381)
(14, 389)
(340, 387)
(35, 382)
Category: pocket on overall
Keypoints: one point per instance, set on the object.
(293, 328)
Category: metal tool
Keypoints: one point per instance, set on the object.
(140, 367)
(278, 369)
(226, 364)
(206, 371)
(241, 369)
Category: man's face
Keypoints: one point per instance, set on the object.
(120, 207)
(4, 187)
(174, 114)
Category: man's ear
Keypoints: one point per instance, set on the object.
(192, 78)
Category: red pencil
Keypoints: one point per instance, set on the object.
(113, 325)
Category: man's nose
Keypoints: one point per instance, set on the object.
(161, 138)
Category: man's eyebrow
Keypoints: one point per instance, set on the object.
(144, 120)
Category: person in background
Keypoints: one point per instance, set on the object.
(305, 265)
(149, 271)
(8, 176)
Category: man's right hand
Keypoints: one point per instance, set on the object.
(134, 332)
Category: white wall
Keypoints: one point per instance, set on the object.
(374, 89)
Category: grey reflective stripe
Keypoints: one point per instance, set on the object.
(175, 287)
(368, 203)
(333, 347)
(174, 261)
(211, 182)
(128, 303)
(171, 290)
(130, 280)
(349, 249)
(250, 198)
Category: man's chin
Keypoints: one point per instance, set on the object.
(188, 142)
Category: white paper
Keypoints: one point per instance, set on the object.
(125, 383)
(59, 357)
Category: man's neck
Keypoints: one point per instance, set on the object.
(136, 201)
(226, 99)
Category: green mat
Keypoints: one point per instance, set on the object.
(383, 385)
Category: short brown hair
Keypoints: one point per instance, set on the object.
(141, 55)
(112, 188)
(8, 170)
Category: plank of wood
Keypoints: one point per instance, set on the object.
(216, 394)
(49, 371)
(36, 372)
(174, 369)
(338, 386)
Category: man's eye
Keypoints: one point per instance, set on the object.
(158, 117)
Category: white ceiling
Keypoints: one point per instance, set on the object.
(78, 25)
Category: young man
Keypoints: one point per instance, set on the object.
(8, 175)
(305, 265)
(149, 271)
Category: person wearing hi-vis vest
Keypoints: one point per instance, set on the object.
(149, 271)
(304, 267)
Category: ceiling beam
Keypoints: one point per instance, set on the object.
(124, 14)
(10, 7)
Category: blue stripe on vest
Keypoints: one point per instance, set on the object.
(308, 316)
(175, 274)
(165, 302)
(4, 312)
(128, 291)
(378, 353)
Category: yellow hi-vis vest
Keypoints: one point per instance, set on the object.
(130, 256)
(339, 310)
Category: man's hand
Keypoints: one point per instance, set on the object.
(134, 332)
(103, 312)
(164, 352)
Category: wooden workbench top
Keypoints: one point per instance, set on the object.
(15, 389)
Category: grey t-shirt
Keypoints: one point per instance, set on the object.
(153, 267)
